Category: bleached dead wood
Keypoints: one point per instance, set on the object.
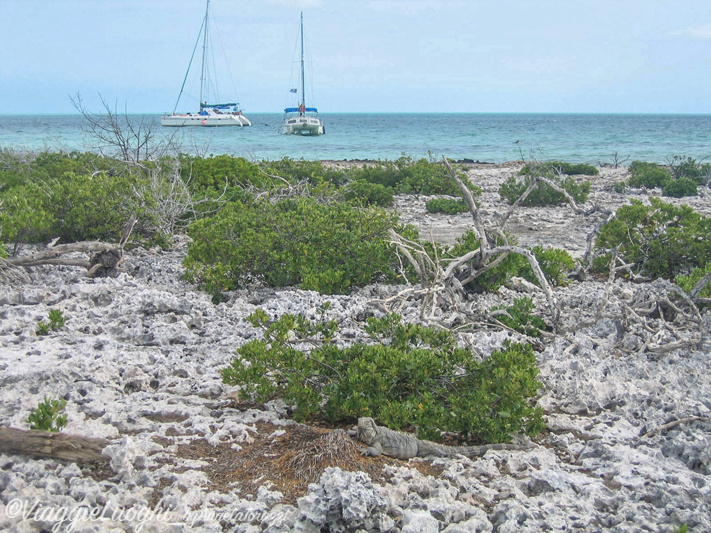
(442, 287)
(45, 444)
(103, 261)
(696, 290)
(673, 424)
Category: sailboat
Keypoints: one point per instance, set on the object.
(227, 114)
(302, 120)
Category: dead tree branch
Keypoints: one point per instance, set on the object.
(673, 424)
(444, 287)
(696, 290)
(132, 139)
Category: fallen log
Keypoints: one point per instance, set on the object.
(104, 259)
(45, 444)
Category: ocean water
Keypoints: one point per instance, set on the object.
(486, 137)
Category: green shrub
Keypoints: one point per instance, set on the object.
(649, 175)
(56, 322)
(553, 168)
(55, 164)
(680, 181)
(543, 194)
(662, 240)
(520, 317)
(217, 171)
(407, 176)
(330, 248)
(448, 206)
(20, 168)
(298, 170)
(688, 167)
(73, 207)
(23, 217)
(367, 193)
(385, 173)
(93, 207)
(430, 177)
(47, 416)
(680, 187)
(492, 279)
(555, 263)
(410, 375)
(688, 282)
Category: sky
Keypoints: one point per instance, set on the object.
(365, 56)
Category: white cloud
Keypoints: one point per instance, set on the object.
(694, 32)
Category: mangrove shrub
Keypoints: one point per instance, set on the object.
(407, 376)
(543, 194)
(328, 247)
(660, 239)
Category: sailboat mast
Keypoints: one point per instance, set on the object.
(303, 92)
(204, 55)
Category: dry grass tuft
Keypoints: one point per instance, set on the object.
(286, 459)
(331, 449)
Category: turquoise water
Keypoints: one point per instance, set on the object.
(590, 138)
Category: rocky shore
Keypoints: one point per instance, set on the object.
(628, 445)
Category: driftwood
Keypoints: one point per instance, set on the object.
(104, 259)
(37, 443)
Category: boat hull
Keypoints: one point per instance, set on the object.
(303, 126)
(212, 120)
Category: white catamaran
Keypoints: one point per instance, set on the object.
(302, 120)
(228, 114)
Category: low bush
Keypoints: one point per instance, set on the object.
(367, 193)
(448, 206)
(20, 168)
(543, 194)
(72, 207)
(556, 168)
(520, 317)
(660, 239)
(688, 282)
(327, 247)
(409, 376)
(93, 207)
(688, 167)
(298, 170)
(679, 180)
(492, 279)
(620, 187)
(408, 176)
(219, 171)
(48, 202)
(555, 263)
(649, 175)
(680, 188)
(48, 416)
(56, 322)
(23, 217)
